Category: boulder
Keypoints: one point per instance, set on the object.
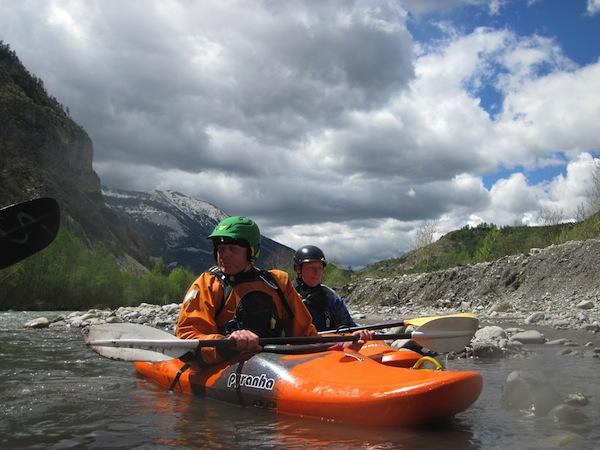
(529, 391)
(562, 440)
(535, 317)
(40, 322)
(576, 399)
(566, 414)
(487, 349)
(585, 304)
(529, 337)
(490, 333)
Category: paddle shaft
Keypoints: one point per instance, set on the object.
(228, 343)
(416, 322)
(377, 326)
(191, 344)
(134, 342)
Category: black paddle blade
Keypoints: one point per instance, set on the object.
(26, 228)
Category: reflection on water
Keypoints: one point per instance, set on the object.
(498, 428)
(58, 394)
(190, 422)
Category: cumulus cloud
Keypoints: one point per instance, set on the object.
(178, 72)
(552, 111)
(352, 243)
(511, 198)
(593, 6)
(570, 191)
(516, 200)
(325, 121)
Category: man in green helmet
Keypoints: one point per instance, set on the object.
(239, 301)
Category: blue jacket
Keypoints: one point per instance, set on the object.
(327, 308)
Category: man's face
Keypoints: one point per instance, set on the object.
(312, 272)
(232, 259)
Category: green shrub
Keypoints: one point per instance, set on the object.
(68, 275)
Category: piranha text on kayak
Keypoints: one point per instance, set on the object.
(256, 381)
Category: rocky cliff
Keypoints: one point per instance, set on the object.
(561, 281)
(43, 152)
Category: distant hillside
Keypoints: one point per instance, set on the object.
(43, 152)
(174, 227)
(483, 243)
(561, 280)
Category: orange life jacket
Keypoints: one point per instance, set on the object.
(211, 309)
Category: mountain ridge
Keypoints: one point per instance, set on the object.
(174, 227)
(44, 152)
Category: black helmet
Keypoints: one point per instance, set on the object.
(308, 253)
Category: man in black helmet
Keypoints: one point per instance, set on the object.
(327, 308)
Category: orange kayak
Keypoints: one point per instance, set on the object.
(385, 354)
(339, 386)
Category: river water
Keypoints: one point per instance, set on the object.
(57, 394)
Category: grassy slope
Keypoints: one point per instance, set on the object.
(479, 244)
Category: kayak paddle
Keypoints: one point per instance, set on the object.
(134, 342)
(26, 228)
(420, 321)
(416, 322)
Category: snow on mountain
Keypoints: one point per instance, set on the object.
(174, 226)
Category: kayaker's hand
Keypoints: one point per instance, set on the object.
(245, 341)
(363, 336)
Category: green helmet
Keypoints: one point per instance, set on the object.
(238, 230)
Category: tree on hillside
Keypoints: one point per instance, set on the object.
(548, 215)
(594, 192)
(580, 212)
(487, 250)
(425, 235)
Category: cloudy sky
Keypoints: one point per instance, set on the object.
(345, 124)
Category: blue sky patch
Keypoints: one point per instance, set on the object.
(535, 176)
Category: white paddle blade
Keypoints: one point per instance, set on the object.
(129, 354)
(420, 321)
(134, 342)
(452, 334)
(443, 341)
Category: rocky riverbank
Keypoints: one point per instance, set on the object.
(516, 298)
(489, 340)
(557, 286)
